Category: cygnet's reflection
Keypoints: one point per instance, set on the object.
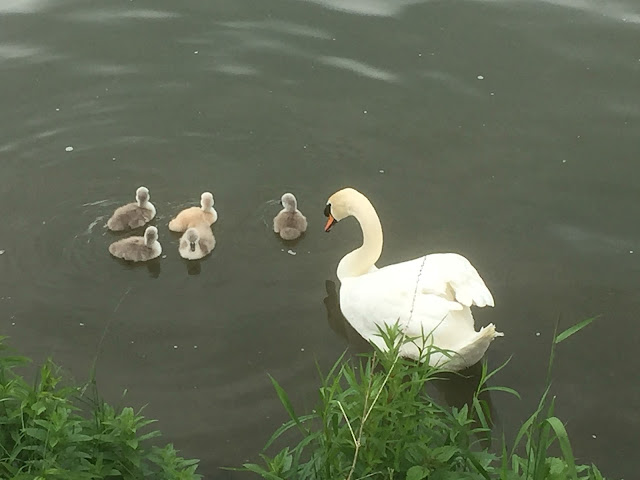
(455, 388)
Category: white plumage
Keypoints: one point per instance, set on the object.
(430, 297)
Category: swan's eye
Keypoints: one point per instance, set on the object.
(327, 210)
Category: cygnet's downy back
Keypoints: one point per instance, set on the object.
(193, 216)
(133, 215)
(289, 223)
(138, 249)
(197, 242)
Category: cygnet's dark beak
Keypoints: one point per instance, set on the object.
(193, 246)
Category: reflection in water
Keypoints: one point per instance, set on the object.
(455, 388)
(153, 266)
(193, 267)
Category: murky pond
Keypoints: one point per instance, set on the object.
(507, 131)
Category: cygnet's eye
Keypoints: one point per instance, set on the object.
(327, 210)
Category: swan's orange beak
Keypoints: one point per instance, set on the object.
(330, 222)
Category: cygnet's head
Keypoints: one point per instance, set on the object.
(192, 237)
(150, 236)
(206, 200)
(288, 201)
(142, 195)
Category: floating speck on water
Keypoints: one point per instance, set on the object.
(630, 251)
(175, 346)
(44, 222)
(537, 334)
(480, 77)
(81, 324)
(113, 158)
(291, 252)
(69, 149)
(492, 94)
(13, 323)
(302, 349)
(164, 256)
(365, 111)
(419, 54)
(1, 252)
(381, 171)
(57, 109)
(196, 52)
(195, 346)
(564, 161)
(131, 341)
(304, 146)
(593, 436)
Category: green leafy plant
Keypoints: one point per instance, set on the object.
(47, 433)
(375, 419)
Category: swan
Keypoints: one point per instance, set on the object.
(138, 249)
(197, 242)
(192, 216)
(133, 215)
(289, 223)
(429, 297)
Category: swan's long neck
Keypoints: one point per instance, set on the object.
(362, 259)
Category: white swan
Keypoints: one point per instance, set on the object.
(192, 216)
(289, 223)
(138, 249)
(430, 297)
(133, 215)
(197, 242)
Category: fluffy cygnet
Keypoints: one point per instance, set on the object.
(197, 242)
(193, 216)
(133, 215)
(289, 223)
(138, 249)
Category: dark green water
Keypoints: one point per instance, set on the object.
(507, 131)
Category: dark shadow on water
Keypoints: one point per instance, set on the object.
(455, 389)
(154, 266)
(194, 267)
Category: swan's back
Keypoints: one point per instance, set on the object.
(290, 225)
(131, 215)
(192, 217)
(134, 249)
(429, 296)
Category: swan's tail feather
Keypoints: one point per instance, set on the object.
(472, 352)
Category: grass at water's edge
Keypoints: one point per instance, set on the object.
(375, 420)
(53, 432)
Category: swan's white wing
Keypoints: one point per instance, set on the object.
(421, 295)
(451, 275)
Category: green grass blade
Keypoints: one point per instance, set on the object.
(503, 389)
(565, 446)
(284, 399)
(574, 329)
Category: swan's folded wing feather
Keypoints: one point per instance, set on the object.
(453, 275)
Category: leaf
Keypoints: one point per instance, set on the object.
(503, 389)
(284, 399)
(571, 330)
(417, 472)
(565, 446)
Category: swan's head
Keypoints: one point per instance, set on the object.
(340, 205)
(288, 201)
(150, 236)
(192, 237)
(142, 195)
(206, 200)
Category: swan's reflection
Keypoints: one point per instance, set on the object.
(456, 389)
